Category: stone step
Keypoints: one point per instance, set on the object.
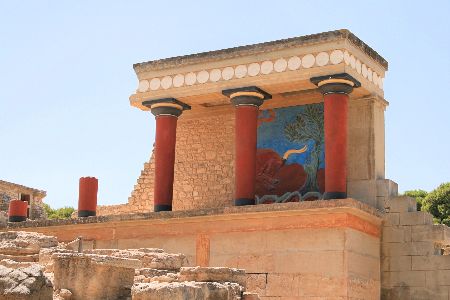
(402, 204)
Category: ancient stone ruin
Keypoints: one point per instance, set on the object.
(36, 267)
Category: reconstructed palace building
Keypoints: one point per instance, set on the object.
(271, 158)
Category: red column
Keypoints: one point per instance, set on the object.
(245, 159)
(335, 89)
(166, 112)
(87, 196)
(17, 211)
(165, 138)
(247, 101)
(335, 123)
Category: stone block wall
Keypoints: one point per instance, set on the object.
(204, 168)
(412, 261)
(11, 191)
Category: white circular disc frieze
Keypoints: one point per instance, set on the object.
(190, 78)
(166, 82)
(202, 76)
(364, 70)
(240, 71)
(280, 65)
(336, 57)
(215, 75)
(308, 61)
(227, 73)
(322, 59)
(253, 69)
(294, 63)
(358, 66)
(178, 80)
(369, 74)
(352, 61)
(143, 86)
(155, 83)
(346, 58)
(267, 67)
(375, 78)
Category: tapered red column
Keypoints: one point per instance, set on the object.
(335, 90)
(166, 113)
(246, 101)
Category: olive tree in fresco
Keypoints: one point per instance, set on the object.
(308, 129)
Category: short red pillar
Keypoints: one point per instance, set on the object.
(166, 113)
(17, 211)
(87, 197)
(336, 89)
(247, 101)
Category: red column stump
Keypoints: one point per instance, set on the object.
(17, 211)
(87, 199)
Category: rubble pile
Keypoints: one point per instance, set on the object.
(35, 266)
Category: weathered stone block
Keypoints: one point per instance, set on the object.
(438, 278)
(404, 278)
(28, 283)
(415, 293)
(396, 263)
(24, 243)
(436, 232)
(429, 263)
(310, 262)
(150, 257)
(402, 204)
(396, 234)
(363, 267)
(391, 219)
(204, 274)
(90, 276)
(186, 290)
(250, 296)
(411, 248)
(387, 188)
(416, 218)
(256, 283)
(304, 285)
(367, 289)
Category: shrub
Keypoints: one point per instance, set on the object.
(437, 203)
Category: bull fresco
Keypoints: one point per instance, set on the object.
(290, 161)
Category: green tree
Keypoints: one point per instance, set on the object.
(308, 129)
(437, 202)
(59, 213)
(419, 195)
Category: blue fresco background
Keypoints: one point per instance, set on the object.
(271, 135)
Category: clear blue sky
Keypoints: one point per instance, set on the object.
(66, 75)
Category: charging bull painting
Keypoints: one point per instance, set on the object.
(290, 160)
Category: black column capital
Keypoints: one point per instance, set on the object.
(249, 95)
(341, 83)
(166, 107)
